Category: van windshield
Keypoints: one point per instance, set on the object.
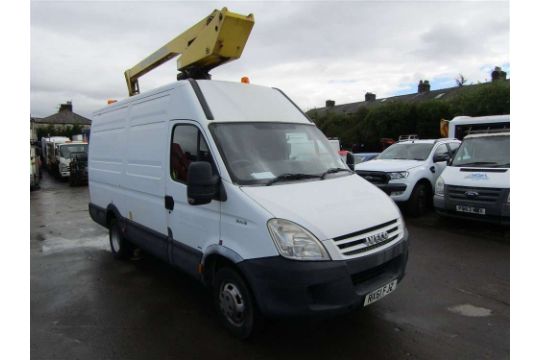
(258, 153)
(486, 151)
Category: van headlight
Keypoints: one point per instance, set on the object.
(398, 175)
(439, 186)
(294, 242)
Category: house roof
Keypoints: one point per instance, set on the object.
(64, 117)
(351, 108)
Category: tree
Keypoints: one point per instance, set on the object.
(460, 80)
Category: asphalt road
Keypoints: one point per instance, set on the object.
(453, 303)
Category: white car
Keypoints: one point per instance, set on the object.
(407, 171)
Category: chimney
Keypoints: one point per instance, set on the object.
(370, 96)
(498, 74)
(423, 86)
(330, 103)
(66, 107)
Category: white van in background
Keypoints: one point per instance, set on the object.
(65, 154)
(236, 186)
(461, 126)
(476, 183)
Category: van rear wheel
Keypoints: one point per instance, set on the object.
(120, 246)
(235, 304)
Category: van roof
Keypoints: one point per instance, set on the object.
(459, 120)
(225, 102)
(505, 133)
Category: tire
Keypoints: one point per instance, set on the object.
(419, 201)
(120, 246)
(235, 304)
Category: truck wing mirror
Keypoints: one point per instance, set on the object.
(350, 161)
(202, 185)
(441, 157)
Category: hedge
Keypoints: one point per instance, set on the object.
(390, 119)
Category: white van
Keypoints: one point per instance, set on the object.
(206, 175)
(461, 126)
(476, 183)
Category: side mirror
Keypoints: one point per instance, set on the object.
(440, 157)
(202, 186)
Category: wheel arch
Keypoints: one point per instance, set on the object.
(112, 213)
(216, 257)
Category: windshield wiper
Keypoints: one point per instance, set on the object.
(288, 176)
(333, 171)
(505, 165)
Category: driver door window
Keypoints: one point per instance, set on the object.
(187, 145)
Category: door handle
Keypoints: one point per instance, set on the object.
(169, 202)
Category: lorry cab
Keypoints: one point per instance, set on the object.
(476, 183)
(233, 184)
(65, 153)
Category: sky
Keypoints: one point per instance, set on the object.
(312, 50)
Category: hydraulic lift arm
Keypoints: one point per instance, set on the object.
(215, 40)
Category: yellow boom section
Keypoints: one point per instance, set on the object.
(215, 40)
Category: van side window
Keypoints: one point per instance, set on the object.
(187, 145)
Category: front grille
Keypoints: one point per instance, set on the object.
(473, 194)
(375, 177)
(356, 243)
(387, 267)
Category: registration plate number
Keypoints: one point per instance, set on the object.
(470, 209)
(380, 293)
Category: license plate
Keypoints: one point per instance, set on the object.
(470, 209)
(380, 293)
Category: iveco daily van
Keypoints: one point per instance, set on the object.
(233, 183)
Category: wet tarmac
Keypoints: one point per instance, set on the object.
(453, 303)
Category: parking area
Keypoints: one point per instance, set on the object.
(453, 303)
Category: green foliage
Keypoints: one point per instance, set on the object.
(486, 99)
(391, 119)
(52, 130)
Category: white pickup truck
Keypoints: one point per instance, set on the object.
(407, 171)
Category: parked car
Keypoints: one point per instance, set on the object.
(407, 171)
(476, 183)
(236, 186)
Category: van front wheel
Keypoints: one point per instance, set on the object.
(120, 246)
(235, 304)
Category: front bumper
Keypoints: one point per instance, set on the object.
(284, 287)
(391, 187)
(495, 213)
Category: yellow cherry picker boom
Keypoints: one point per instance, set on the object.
(217, 39)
